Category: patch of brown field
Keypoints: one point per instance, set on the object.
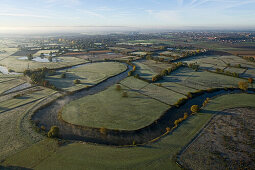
(75, 53)
(247, 52)
(226, 143)
(100, 52)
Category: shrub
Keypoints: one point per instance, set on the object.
(130, 73)
(168, 129)
(137, 76)
(124, 94)
(43, 128)
(194, 108)
(30, 57)
(243, 85)
(118, 87)
(185, 116)
(77, 81)
(103, 131)
(53, 132)
(189, 95)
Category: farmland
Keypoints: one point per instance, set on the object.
(199, 79)
(88, 74)
(109, 109)
(161, 157)
(18, 65)
(123, 101)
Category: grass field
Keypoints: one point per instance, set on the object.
(144, 71)
(162, 94)
(110, 110)
(24, 99)
(88, 74)
(148, 68)
(134, 83)
(175, 86)
(18, 65)
(9, 84)
(15, 126)
(200, 79)
(152, 156)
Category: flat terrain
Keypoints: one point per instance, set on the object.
(110, 110)
(88, 74)
(227, 142)
(149, 68)
(9, 82)
(18, 65)
(199, 79)
(157, 155)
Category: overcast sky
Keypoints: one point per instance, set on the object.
(34, 14)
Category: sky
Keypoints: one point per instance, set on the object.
(125, 14)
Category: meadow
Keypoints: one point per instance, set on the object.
(18, 65)
(157, 155)
(109, 109)
(88, 74)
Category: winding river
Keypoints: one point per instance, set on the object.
(48, 116)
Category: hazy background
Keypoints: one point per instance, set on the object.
(39, 16)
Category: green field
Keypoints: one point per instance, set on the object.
(175, 86)
(18, 65)
(110, 110)
(149, 68)
(9, 83)
(156, 155)
(134, 83)
(88, 74)
(200, 79)
(15, 126)
(144, 71)
(24, 99)
(162, 94)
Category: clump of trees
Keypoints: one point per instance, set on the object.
(53, 132)
(228, 73)
(243, 85)
(30, 57)
(167, 71)
(194, 66)
(185, 116)
(206, 101)
(77, 81)
(130, 73)
(180, 102)
(38, 76)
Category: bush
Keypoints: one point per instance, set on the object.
(103, 131)
(185, 116)
(124, 94)
(189, 95)
(243, 85)
(118, 87)
(194, 108)
(168, 129)
(53, 132)
(77, 81)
